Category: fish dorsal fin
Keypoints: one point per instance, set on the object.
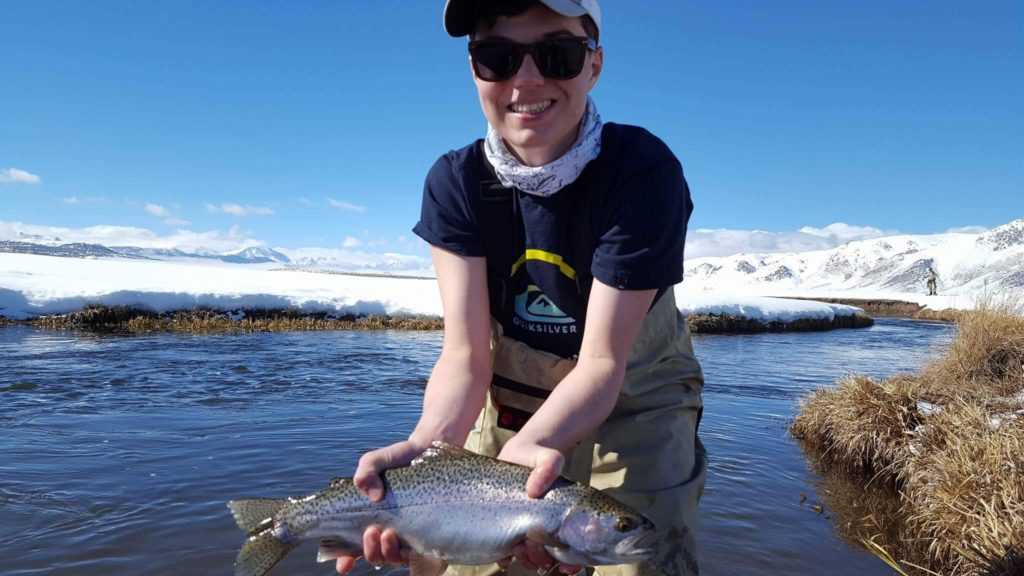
(421, 565)
(335, 482)
(443, 451)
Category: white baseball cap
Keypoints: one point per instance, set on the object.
(460, 16)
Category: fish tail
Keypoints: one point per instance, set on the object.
(257, 514)
(264, 548)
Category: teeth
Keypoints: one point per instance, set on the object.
(532, 108)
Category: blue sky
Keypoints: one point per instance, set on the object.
(308, 122)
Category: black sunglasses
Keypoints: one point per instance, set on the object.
(495, 60)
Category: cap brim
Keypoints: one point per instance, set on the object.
(460, 16)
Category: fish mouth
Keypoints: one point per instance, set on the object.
(637, 547)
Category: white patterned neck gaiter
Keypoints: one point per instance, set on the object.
(550, 178)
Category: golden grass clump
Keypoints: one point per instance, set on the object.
(964, 493)
(861, 425)
(987, 357)
(207, 320)
(958, 470)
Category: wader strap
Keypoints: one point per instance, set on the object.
(499, 227)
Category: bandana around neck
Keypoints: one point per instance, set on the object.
(550, 178)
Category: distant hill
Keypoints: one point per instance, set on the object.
(963, 263)
(73, 250)
(252, 255)
(323, 260)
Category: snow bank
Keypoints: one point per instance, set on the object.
(762, 308)
(34, 285)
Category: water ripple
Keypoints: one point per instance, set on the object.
(124, 449)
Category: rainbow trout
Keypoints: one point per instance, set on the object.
(449, 505)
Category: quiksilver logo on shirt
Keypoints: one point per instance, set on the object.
(537, 313)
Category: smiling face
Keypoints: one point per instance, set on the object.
(537, 117)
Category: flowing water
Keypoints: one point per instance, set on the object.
(118, 453)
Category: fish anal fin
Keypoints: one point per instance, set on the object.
(332, 547)
(422, 565)
(260, 553)
(442, 450)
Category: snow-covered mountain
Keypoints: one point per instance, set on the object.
(964, 264)
(256, 255)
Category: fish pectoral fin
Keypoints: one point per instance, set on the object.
(420, 565)
(541, 536)
(332, 548)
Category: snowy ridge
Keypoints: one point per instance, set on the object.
(966, 264)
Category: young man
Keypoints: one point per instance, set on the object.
(556, 241)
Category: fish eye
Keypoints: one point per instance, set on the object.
(623, 524)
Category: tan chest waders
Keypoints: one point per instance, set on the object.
(646, 454)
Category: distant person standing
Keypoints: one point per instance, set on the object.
(932, 282)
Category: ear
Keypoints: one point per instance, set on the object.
(596, 65)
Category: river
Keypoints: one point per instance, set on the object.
(118, 453)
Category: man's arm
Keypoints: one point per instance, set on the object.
(583, 400)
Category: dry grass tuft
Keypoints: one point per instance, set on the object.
(965, 492)
(946, 315)
(861, 424)
(959, 471)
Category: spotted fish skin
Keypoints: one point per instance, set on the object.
(449, 504)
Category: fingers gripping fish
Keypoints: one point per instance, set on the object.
(449, 506)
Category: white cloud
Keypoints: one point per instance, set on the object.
(351, 242)
(87, 200)
(158, 210)
(239, 209)
(305, 201)
(346, 206)
(968, 230)
(356, 260)
(843, 232)
(18, 176)
(725, 242)
(175, 222)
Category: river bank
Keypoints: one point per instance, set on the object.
(886, 308)
(946, 445)
(132, 320)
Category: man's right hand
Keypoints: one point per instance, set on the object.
(380, 546)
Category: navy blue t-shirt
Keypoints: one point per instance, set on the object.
(623, 222)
